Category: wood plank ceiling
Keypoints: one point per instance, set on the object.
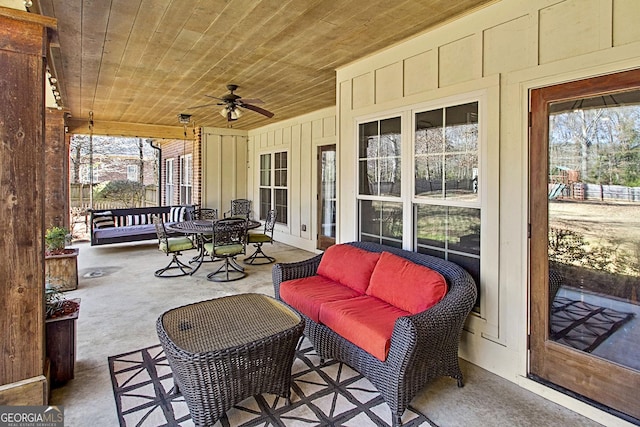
(146, 61)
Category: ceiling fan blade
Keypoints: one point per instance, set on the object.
(203, 105)
(214, 97)
(250, 101)
(258, 110)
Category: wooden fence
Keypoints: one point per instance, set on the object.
(80, 197)
(583, 191)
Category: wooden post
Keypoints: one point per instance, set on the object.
(56, 211)
(61, 346)
(23, 46)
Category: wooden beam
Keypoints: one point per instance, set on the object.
(24, 16)
(139, 130)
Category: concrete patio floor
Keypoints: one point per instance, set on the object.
(121, 300)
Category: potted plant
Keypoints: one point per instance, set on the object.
(61, 262)
(61, 316)
(55, 240)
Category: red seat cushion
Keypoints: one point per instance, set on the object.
(307, 294)
(349, 266)
(406, 285)
(365, 321)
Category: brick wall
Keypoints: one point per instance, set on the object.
(174, 149)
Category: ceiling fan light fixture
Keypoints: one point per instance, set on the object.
(234, 114)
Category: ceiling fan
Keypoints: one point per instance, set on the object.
(233, 104)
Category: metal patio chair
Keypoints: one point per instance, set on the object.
(172, 246)
(239, 208)
(229, 240)
(258, 239)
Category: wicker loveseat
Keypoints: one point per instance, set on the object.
(422, 346)
(132, 224)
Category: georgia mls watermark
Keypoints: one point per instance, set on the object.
(31, 416)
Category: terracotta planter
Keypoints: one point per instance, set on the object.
(61, 270)
(61, 346)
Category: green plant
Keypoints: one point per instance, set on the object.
(55, 239)
(53, 298)
(56, 304)
(130, 193)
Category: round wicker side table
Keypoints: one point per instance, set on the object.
(224, 350)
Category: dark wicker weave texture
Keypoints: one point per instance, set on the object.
(225, 350)
(423, 346)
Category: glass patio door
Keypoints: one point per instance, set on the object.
(585, 240)
(326, 196)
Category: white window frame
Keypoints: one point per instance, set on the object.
(186, 179)
(272, 187)
(403, 149)
(168, 180)
(487, 96)
(132, 171)
(422, 200)
(84, 174)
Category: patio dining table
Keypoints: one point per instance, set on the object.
(201, 228)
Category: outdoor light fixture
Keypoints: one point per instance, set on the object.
(54, 89)
(184, 118)
(234, 114)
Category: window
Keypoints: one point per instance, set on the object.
(446, 153)
(86, 174)
(169, 195)
(447, 205)
(132, 172)
(186, 179)
(379, 181)
(439, 210)
(381, 222)
(379, 158)
(274, 192)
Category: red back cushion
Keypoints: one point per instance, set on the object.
(406, 285)
(349, 266)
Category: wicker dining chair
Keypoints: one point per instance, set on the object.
(171, 246)
(229, 240)
(258, 239)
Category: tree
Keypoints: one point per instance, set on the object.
(111, 156)
(78, 147)
(140, 160)
(130, 193)
(602, 143)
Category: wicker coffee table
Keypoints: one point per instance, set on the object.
(224, 350)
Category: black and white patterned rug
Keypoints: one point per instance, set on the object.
(322, 394)
(582, 325)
